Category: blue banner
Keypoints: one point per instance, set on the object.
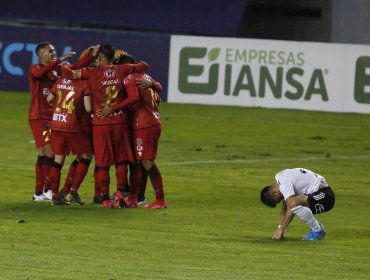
(17, 50)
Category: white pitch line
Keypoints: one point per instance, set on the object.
(195, 162)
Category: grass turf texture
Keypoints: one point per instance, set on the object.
(214, 161)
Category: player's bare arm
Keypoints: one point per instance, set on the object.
(95, 50)
(50, 98)
(105, 111)
(286, 216)
(87, 103)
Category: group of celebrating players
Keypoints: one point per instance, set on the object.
(104, 105)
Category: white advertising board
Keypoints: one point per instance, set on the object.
(269, 73)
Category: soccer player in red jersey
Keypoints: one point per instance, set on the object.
(146, 126)
(87, 125)
(110, 134)
(41, 78)
(68, 135)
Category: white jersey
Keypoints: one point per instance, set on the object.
(298, 181)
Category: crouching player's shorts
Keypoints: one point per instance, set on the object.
(146, 142)
(321, 201)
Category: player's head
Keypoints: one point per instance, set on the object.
(271, 195)
(46, 52)
(118, 52)
(89, 51)
(125, 58)
(106, 54)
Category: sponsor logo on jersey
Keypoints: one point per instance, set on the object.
(61, 86)
(110, 82)
(59, 117)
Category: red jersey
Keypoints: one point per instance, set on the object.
(69, 104)
(144, 113)
(106, 83)
(41, 79)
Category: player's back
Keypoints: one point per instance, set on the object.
(145, 113)
(106, 82)
(69, 104)
(304, 181)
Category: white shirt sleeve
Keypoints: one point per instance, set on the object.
(285, 185)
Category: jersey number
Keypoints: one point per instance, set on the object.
(155, 100)
(67, 103)
(111, 93)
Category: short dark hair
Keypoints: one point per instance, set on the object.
(265, 197)
(41, 46)
(125, 58)
(107, 51)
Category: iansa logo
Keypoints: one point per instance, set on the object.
(249, 72)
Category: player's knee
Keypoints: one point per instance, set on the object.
(148, 164)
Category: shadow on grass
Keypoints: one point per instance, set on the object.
(32, 211)
(260, 240)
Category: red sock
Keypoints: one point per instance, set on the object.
(69, 179)
(121, 176)
(143, 181)
(55, 171)
(39, 175)
(81, 171)
(156, 180)
(97, 191)
(46, 172)
(135, 178)
(103, 181)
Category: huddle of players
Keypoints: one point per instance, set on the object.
(124, 129)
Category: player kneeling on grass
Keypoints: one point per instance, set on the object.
(304, 193)
(71, 99)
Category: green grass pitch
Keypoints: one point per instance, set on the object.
(214, 161)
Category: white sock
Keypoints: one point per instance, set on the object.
(305, 214)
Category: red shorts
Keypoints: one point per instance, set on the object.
(65, 143)
(146, 142)
(40, 131)
(112, 144)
